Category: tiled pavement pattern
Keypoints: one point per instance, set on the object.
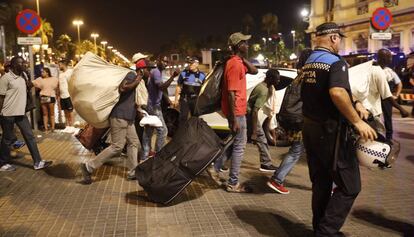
(51, 203)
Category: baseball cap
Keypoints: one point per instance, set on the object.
(138, 56)
(141, 63)
(328, 28)
(192, 60)
(235, 38)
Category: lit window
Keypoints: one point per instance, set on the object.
(362, 6)
(390, 3)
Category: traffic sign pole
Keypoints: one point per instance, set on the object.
(29, 22)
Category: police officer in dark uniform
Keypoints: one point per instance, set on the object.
(187, 89)
(329, 112)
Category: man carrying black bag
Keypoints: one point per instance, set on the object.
(328, 111)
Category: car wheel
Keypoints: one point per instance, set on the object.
(171, 118)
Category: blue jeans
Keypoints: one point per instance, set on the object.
(237, 152)
(295, 151)
(8, 138)
(261, 143)
(162, 133)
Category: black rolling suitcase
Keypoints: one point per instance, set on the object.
(192, 149)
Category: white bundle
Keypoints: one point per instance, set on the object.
(93, 88)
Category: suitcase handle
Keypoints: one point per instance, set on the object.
(227, 142)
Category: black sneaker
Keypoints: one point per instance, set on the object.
(87, 179)
(268, 168)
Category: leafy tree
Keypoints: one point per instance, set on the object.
(270, 23)
(84, 47)
(247, 23)
(8, 12)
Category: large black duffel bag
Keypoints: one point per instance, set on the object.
(193, 147)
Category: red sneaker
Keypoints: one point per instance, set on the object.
(277, 187)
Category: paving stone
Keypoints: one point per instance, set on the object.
(51, 203)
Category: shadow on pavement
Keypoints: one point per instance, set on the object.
(195, 190)
(61, 171)
(410, 158)
(258, 183)
(140, 198)
(380, 220)
(17, 231)
(405, 135)
(267, 222)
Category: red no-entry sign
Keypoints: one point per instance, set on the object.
(381, 18)
(28, 21)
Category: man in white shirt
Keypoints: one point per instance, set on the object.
(395, 85)
(371, 92)
(65, 101)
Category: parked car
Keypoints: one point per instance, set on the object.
(218, 122)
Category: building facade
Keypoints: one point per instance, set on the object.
(354, 17)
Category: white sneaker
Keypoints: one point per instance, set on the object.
(7, 167)
(42, 164)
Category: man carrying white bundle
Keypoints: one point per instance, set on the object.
(122, 131)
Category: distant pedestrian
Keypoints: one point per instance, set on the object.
(65, 100)
(328, 114)
(187, 89)
(123, 131)
(234, 107)
(291, 119)
(49, 88)
(13, 99)
(259, 96)
(395, 85)
(156, 86)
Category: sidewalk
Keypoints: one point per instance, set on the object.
(51, 203)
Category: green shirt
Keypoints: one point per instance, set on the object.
(258, 97)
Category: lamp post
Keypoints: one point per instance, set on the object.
(293, 37)
(104, 43)
(78, 23)
(38, 7)
(94, 36)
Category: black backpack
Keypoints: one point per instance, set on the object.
(209, 98)
(290, 115)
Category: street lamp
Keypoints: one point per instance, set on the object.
(94, 36)
(104, 43)
(304, 12)
(293, 37)
(110, 47)
(78, 23)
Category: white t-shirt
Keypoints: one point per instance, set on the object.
(392, 76)
(64, 77)
(378, 89)
(13, 88)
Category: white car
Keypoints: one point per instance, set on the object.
(218, 122)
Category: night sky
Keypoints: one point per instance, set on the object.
(136, 25)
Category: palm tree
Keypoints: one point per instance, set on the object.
(45, 32)
(65, 47)
(270, 23)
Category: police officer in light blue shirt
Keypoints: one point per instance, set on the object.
(187, 89)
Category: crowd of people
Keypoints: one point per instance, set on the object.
(321, 92)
